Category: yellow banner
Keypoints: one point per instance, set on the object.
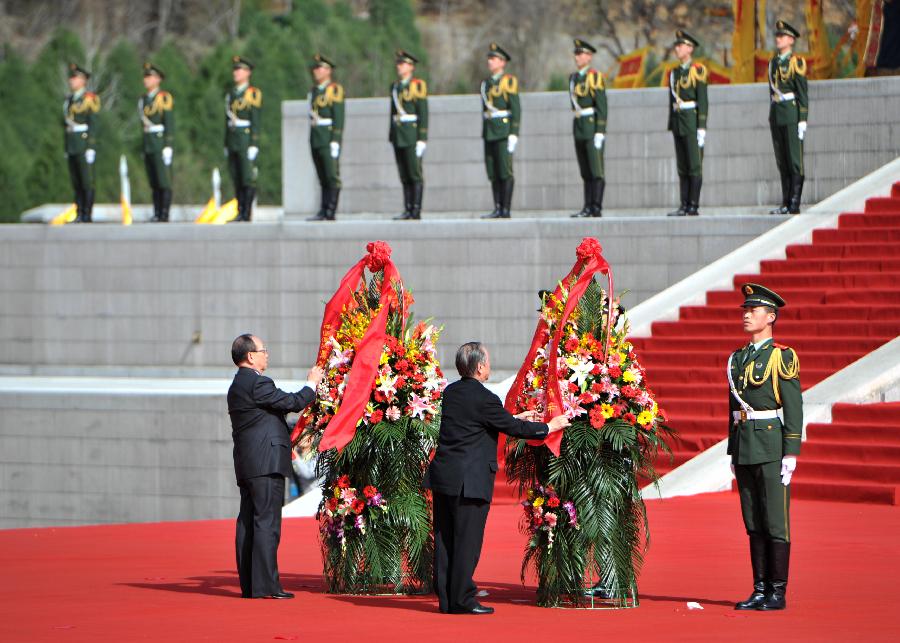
(66, 216)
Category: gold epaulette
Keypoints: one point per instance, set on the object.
(253, 97)
(417, 89)
(797, 66)
(91, 102)
(698, 74)
(594, 80)
(163, 102)
(334, 93)
(509, 84)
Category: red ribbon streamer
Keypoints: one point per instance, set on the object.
(361, 376)
(590, 261)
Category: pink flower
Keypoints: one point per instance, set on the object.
(550, 520)
(392, 413)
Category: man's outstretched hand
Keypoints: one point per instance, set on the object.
(315, 375)
(558, 423)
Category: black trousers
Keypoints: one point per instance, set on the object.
(458, 535)
(258, 534)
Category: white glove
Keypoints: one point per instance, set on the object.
(598, 140)
(420, 148)
(701, 137)
(788, 464)
(801, 130)
(90, 156)
(511, 143)
(252, 153)
(167, 155)
(335, 149)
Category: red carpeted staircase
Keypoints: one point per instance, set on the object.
(855, 458)
(843, 301)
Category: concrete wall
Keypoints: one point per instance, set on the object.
(69, 459)
(853, 129)
(133, 298)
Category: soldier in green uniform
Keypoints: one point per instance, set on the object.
(688, 107)
(763, 378)
(587, 95)
(502, 115)
(409, 132)
(788, 111)
(79, 120)
(158, 122)
(243, 107)
(326, 127)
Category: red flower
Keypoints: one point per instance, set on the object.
(571, 345)
(344, 482)
(402, 366)
(615, 372)
(588, 248)
(596, 417)
(436, 395)
(333, 393)
(376, 417)
(629, 417)
(358, 506)
(332, 504)
(597, 387)
(573, 387)
(552, 501)
(379, 255)
(585, 398)
(379, 396)
(401, 383)
(369, 491)
(596, 370)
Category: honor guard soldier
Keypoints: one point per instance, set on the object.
(500, 130)
(766, 420)
(326, 127)
(79, 119)
(158, 120)
(409, 132)
(243, 107)
(688, 107)
(787, 116)
(587, 94)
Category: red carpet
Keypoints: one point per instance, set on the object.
(843, 295)
(175, 582)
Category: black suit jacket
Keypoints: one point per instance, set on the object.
(466, 460)
(262, 439)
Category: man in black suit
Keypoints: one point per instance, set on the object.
(262, 460)
(462, 475)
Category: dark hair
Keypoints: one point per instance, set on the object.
(242, 345)
(774, 311)
(468, 357)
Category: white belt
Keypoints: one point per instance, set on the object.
(684, 106)
(153, 129)
(321, 122)
(238, 122)
(405, 118)
(740, 416)
(77, 128)
(587, 111)
(781, 98)
(500, 113)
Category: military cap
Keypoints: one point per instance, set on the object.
(406, 57)
(582, 46)
(498, 51)
(681, 36)
(756, 295)
(784, 29)
(321, 61)
(239, 62)
(152, 70)
(76, 70)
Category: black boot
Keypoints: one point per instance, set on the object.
(506, 196)
(88, 205)
(694, 196)
(684, 185)
(417, 191)
(407, 195)
(249, 195)
(588, 200)
(779, 563)
(758, 563)
(79, 206)
(598, 186)
(785, 195)
(498, 201)
(155, 216)
(333, 194)
(323, 205)
(165, 202)
(796, 193)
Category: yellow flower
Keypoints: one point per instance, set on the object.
(337, 491)
(384, 359)
(629, 377)
(538, 501)
(607, 410)
(536, 382)
(644, 418)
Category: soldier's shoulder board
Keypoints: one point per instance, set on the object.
(164, 100)
(419, 88)
(797, 65)
(254, 96)
(699, 73)
(509, 84)
(595, 79)
(92, 101)
(334, 93)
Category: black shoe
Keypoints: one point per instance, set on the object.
(598, 591)
(783, 209)
(478, 609)
(280, 595)
(319, 216)
(680, 212)
(757, 598)
(758, 563)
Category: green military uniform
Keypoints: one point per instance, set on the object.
(158, 123)
(688, 109)
(788, 112)
(409, 135)
(326, 129)
(502, 116)
(764, 378)
(243, 108)
(587, 96)
(79, 121)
